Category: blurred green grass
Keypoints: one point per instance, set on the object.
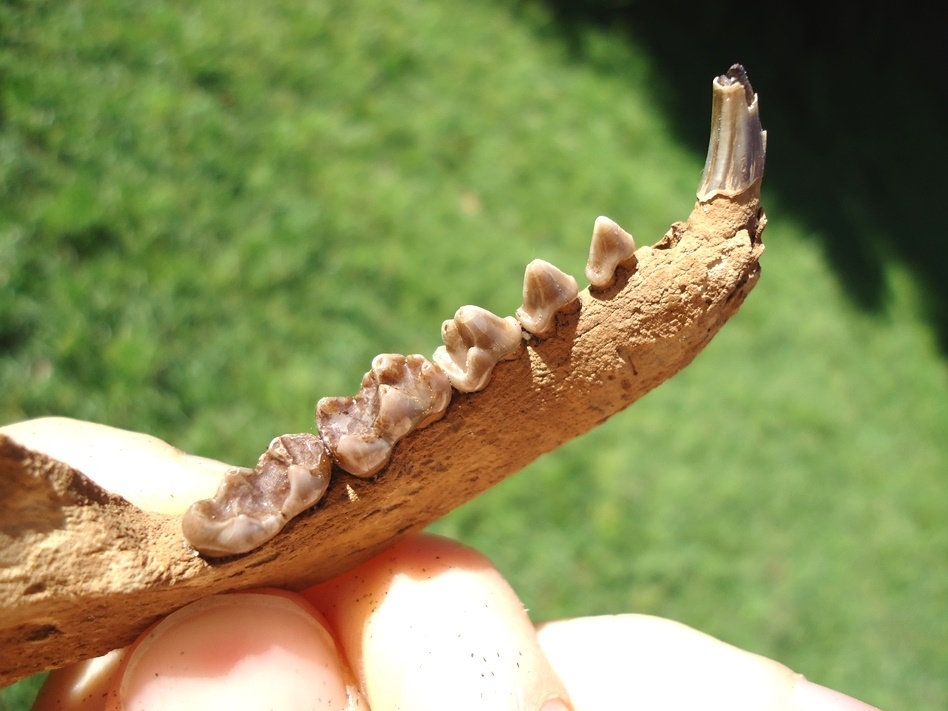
(211, 218)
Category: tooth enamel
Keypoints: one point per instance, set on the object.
(546, 290)
(252, 505)
(398, 395)
(611, 246)
(738, 145)
(474, 341)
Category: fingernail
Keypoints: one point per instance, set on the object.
(813, 697)
(555, 705)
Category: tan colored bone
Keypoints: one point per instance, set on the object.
(83, 571)
(475, 340)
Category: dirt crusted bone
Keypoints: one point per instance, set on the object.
(82, 571)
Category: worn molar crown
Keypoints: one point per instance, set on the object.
(474, 341)
(252, 505)
(399, 394)
(611, 247)
(546, 290)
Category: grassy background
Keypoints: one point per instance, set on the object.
(210, 217)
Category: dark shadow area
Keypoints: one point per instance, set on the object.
(854, 97)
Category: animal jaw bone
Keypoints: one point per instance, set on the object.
(93, 571)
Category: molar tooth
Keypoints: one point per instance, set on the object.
(252, 505)
(399, 394)
(546, 290)
(738, 145)
(611, 247)
(474, 341)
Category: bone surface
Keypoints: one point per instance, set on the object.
(738, 145)
(474, 341)
(252, 505)
(611, 246)
(546, 290)
(399, 394)
(83, 571)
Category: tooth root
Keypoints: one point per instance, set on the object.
(474, 341)
(546, 290)
(252, 505)
(611, 247)
(398, 395)
(738, 145)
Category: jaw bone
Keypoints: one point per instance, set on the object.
(131, 565)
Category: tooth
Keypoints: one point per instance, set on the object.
(398, 395)
(611, 247)
(252, 505)
(474, 341)
(738, 146)
(546, 290)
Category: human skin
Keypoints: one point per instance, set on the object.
(427, 624)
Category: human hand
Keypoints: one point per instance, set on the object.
(428, 624)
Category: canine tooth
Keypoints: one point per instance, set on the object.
(474, 341)
(546, 290)
(611, 246)
(399, 394)
(252, 505)
(738, 145)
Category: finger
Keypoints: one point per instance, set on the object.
(642, 662)
(267, 649)
(430, 624)
(80, 687)
(146, 471)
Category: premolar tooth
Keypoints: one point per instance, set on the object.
(611, 247)
(474, 341)
(399, 394)
(252, 505)
(738, 145)
(546, 290)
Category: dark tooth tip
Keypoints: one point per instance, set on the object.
(737, 75)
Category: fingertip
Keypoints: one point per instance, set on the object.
(813, 697)
(431, 624)
(240, 651)
(84, 686)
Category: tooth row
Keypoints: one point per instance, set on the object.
(398, 395)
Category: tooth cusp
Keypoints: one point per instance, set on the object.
(252, 505)
(546, 290)
(475, 340)
(610, 248)
(398, 395)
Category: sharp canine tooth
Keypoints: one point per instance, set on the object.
(399, 394)
(546, 290)
(611, 246)
(473, 343)
(738, 145)
(252, 505)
